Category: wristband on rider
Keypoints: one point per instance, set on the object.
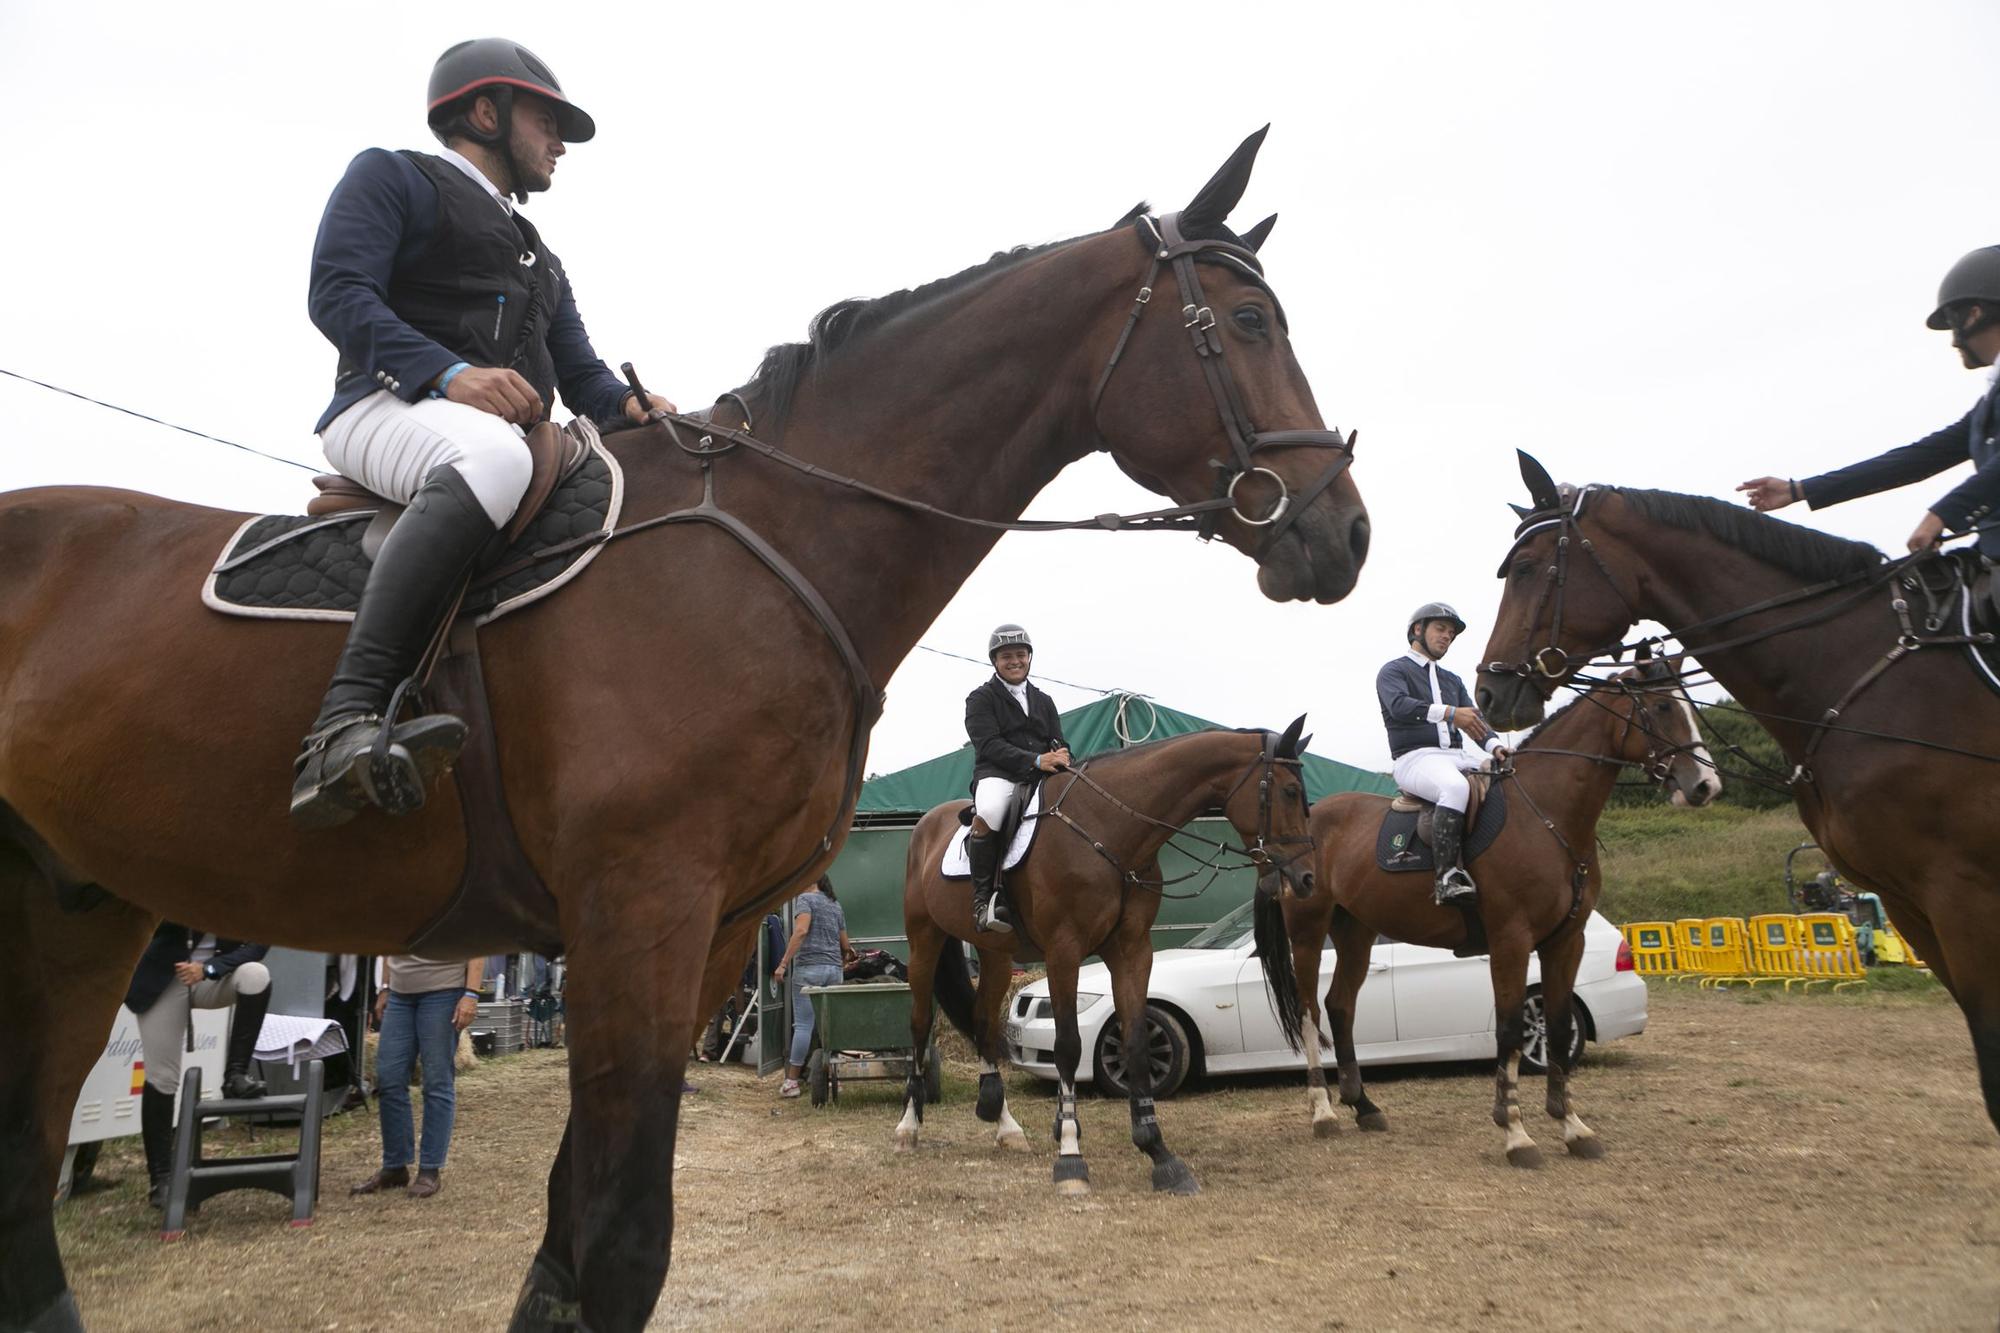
(450, 374)
(1797, 494)
(472, 995)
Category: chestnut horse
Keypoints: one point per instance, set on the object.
(1538, 883)
(1091, 884)
(1893, 738)
(676, 730)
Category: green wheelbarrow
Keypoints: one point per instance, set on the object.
(862, 1031)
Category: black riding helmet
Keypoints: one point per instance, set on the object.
(496, 63)
(1007, 636)
(1432, 611)
(1974, 278)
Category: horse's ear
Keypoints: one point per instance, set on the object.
(1520, 511)
(1305, 744)
(1288, 744)
(1644, 652)
(1541, 486)
(1224, 190)
(1618, 653)
(1254, 238)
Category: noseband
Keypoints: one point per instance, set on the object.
(1168, 246)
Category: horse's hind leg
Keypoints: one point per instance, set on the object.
(1509, 968)
(1559, 963)
(59, 993)
(1353, 946)
(1131, 967)
(996, 969)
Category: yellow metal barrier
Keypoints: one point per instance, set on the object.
(1725, 951)
(1652, 945)
(1827, 950)
(1776, 950)
(1690, 947)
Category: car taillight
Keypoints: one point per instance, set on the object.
(1624, 963)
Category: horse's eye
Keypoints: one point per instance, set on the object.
(1524, 571)
(1250, 319)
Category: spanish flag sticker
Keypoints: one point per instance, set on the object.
(138, 1077)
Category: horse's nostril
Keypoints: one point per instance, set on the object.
(1357, 539)
(1485, 696)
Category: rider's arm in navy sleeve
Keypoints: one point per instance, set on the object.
(1899, 467)
(382, 210)
(225, 963)
(588, 386)
(1392, 690)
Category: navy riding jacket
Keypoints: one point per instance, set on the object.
(1976, 436)
(1403, 688)
(379, 221)
(1006, 741)
(172, 943)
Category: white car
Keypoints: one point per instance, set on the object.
(1209, 1011)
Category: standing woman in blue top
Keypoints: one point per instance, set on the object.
(816, 956)
(455, 326)
(1430, 717)
(1968, 305)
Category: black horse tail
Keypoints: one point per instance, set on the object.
(1274, 946)
(952, 985)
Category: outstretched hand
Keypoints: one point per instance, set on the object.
(1768, 493)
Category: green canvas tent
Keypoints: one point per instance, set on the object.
(868, 874)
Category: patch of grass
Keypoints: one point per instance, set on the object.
(1662, 863)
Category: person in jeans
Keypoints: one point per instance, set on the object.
(421, 1010)
(817, 949)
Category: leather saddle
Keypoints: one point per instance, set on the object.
(1404, 803)
(1936, 583)
(556, 450)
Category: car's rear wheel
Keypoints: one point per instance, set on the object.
(1167, 1054)
(1535, 1043)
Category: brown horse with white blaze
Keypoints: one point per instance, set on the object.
(1893, 738)
(675, 730)
(1091, 884)
(1538, 882)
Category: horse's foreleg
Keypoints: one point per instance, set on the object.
(548, 1301)
(996, 970)
(633, 999)
(1072, 1174)
(1510, 984)
(1305, 968)
(926, 940)
(1353, 946)
(1559, 963)
(59, 991)
(1131, 968)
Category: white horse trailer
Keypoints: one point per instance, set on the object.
(108, 1105)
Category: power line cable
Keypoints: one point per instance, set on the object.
(1091, 689)
(185, 430)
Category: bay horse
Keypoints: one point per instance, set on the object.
(1895, 750)
(1090, 883)
(1538, 883)
(679, 732)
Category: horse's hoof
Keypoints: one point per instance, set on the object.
(1014, 1142)
(906, 1141)
(1072, 1176)
(1173, 1177)
(547, 1303)
(1374, 1122)
(1527, 1156)
(1325, 1126)
(1589, 1147)
(58, 1316)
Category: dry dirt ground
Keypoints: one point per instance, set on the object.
(1794, 1163)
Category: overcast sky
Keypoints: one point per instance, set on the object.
(1664, 246)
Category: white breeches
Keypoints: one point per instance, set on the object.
(990, 799)
(163, 1028)
(1437, 774)
(390, 447)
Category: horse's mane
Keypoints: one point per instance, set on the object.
(786, 365)
(1118, 751)
(1800, 551)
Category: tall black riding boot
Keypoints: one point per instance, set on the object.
(244, 1025)
(156, 1133)
(416, 575)
(1454, 887)
(983, 852)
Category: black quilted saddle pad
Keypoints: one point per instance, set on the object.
(301, 567)
(1398, 849)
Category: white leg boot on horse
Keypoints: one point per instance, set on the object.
(1559, 964)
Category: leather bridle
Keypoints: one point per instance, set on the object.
(1163, 238)
(1551, 661)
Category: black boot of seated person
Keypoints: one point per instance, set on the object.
(1454, 888)
(416, 575)
(982, 850)
(244, 1025)
(156, 1134)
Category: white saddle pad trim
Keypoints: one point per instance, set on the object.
(956, 866)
